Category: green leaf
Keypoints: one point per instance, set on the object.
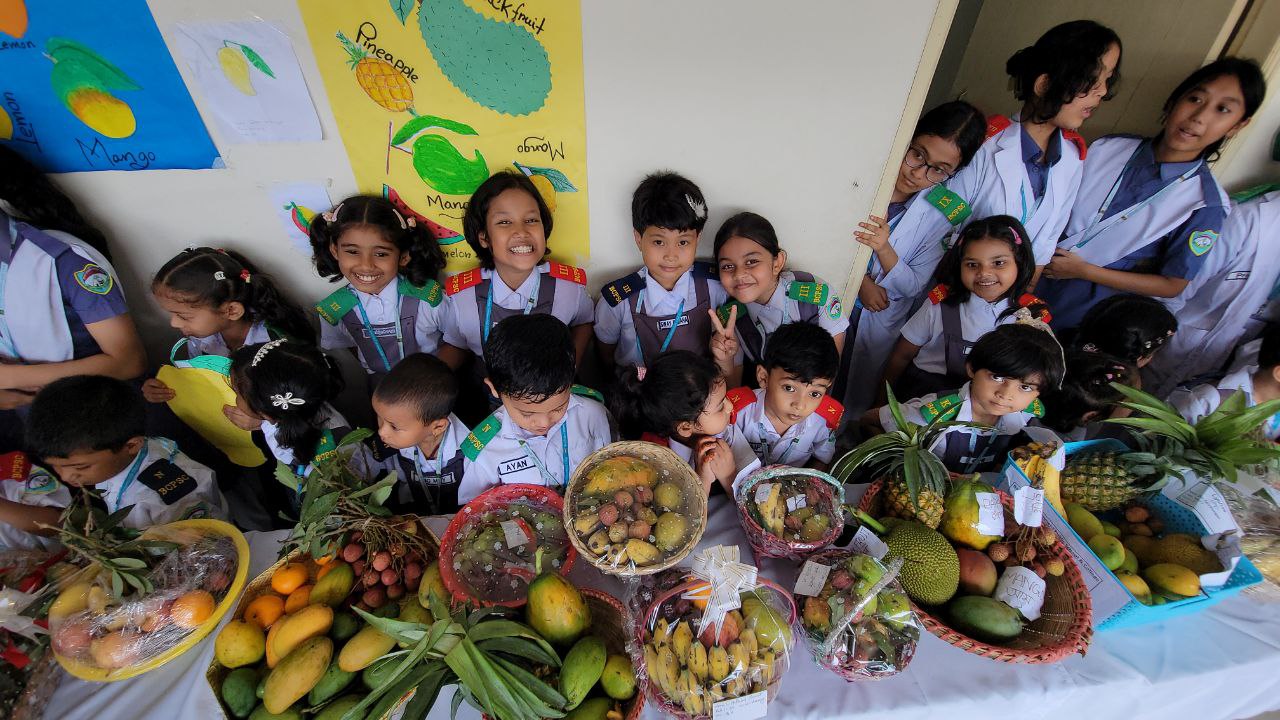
(419, 123)
(65, 50)
(128, 563)
(411, 680)
(388, 481)
(559, 181)
(524, 695)
(543, 690)
(402, 9)
(256, 60)
(355, 436)
(895, 409)
(428, 690)
(380, 495)
(911, 475)
(409, 632)
(505, 704)
(520, 648)
(468, 675)
(139, 584)
(285, 476)
(117, 584)
(319, 508)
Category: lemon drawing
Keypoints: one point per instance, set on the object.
(549, 181)
(546, 190)
(13, 18)
(83, 81)
(378, 78)
(236, 59)
(6, 125)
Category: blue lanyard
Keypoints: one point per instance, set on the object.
(9, 348)
(1022, 192)
(488, 302)
(768, 451)
(671, 332)
(377, 344)
(1090, 233)
(564, 454)
(419, 461)
(133, 474)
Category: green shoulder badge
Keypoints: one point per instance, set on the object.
(722, 312)
(40, 482)
(339, 303)
(1201, 241)
(944, 408)
(93, 278)
(814, 293)
(587, 392)
(326, 448)
(478, 438)
(1035, 408)
(430, 293)
(955, 208)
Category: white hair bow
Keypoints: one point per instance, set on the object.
(284, 401)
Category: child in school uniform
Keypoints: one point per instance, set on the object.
(1077, 410)
(1007, 369)
(414, 404)
(945, 140)
(983, 280)
(546, 425)
(664, 305)
(392, 305)
(1132, 328)
(1232, 298)
(1260, 383)
(90, 431)
(30, 497)
(682, 403)
(1151, 210)
(791, 420)
(752, 270)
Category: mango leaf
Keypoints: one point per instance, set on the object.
(508, 629)
(559, 180)
(418, 123)
(355, 436)
(256, 60)
(128, 563)
(388, 481)
(66, 50)
(409, 632)
(402, 9)
(320, 508)
(524, 696)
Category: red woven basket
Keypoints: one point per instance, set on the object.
(497, 497)
(1063, 628)
(766, 544)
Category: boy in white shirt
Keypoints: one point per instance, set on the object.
(30, 498)
(1260, 383)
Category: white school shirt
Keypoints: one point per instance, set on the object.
(130, 487)
(215, 344)
(977, 318)
(449, 444)
(1010, 424)
(614, 324)
(780, 309)
(39, 489)
(508, 457)
(1196, 402)
(809, 438)
(1231, 298)
(462, 310)
(384, 309)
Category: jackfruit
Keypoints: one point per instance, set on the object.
(931, 569)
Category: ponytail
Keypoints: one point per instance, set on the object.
(674, 390)
(288, 383)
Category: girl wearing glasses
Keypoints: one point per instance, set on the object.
(945, 140)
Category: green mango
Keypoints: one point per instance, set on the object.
(333, 681)
(581, 669)
(238, 691)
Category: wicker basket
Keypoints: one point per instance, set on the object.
(497, 497)
(765, 543)
(1063, 628)
(670, 468)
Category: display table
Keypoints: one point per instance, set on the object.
(1221, 663)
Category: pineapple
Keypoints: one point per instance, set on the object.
(378, 78)
(915, 480)
(1102, 481)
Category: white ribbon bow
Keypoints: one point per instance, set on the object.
(284, 401)
(719, 566)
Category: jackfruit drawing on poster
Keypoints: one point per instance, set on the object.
(434, 96)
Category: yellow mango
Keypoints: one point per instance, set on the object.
(297, 673)
(1172, 578)
(305, 624)
(364, 648)
(70, 601)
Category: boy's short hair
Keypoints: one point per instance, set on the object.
(804, 350)
(1269, 353)
(84, 413)
(423, 382)
(668, 200)
(530, 357)
(1020, 351)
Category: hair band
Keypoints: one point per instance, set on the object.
(1024, 317)
(245, 276)
(262, 351)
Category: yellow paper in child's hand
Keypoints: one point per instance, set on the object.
(199, 396)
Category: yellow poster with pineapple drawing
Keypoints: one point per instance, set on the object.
(434, 96)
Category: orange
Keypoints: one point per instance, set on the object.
(192, 608)
(264, 610)
(297, 599)
(289, 578)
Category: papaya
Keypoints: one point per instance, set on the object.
(297, 673)
(335, 586)
(336, 709)
(556, 610)
(367, 646)
(985, 618)
(238, 691)
(261, 713)
(305, 624)
(597, 708)
(960, 516)
(619, 473)
(581, 669)
(334, 681)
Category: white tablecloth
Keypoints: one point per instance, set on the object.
(1221, 663)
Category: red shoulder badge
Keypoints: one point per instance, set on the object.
(938, 294)
(14, 466)
(996, 125)
(1037, 306)
(1076, 139)
(655, 439)
(741, 398)
(567, 272)
(830, 411)
(462, 281)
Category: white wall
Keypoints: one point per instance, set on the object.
(785, 109)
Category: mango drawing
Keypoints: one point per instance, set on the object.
(301, 216)
(548, 181)
(499, 65)
(378, 78)
(83, 80)
(235, 60)
(13, 18)
(442, 234)
(6, 125)
(436, 160)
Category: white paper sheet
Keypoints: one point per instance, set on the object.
(296, 204)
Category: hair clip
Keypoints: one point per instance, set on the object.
(403, 225)
(284, 401)
(262, 351)
(1089, 348)
(641, 371)
(699, 208)
(411, 221)
(1017, 239)
(219, 275)
(245, 276)
(332, 215)
(1024, 317)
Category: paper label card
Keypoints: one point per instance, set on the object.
(1028, 506)
(1021, 589)
(513, 533)
(762, 492)
(990, 514)
(747, 707)
(1208, 505)
(866, 542)
(795, 502)
(813, 576)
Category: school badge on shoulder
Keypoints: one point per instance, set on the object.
(93, 278)
(1201, 241)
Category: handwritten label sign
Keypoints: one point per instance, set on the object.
(795, 502)
(990, 514)
(513, 533)
(1207, 503)
(762, 492)
(747, 707)
(1028, 506)
(866, 542)
(1021, 589)
(813, 576)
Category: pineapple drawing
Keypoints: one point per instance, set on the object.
(378, 78)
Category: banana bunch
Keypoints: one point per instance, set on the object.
(1033, 460)
(773, 512)
(696, 676)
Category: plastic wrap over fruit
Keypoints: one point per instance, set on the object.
(115, 619)
(489, 551)
(1259, 519)
(855, 615)
(715, 639)
(790, 512)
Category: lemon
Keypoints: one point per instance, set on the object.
(240, 643)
